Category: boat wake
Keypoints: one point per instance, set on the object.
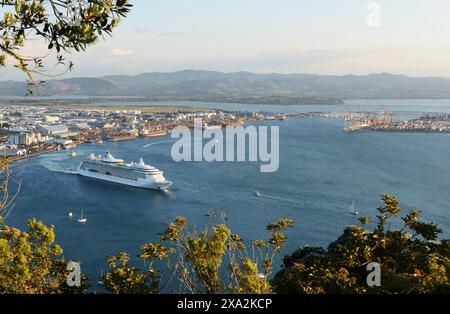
(156, 143)
(277, 198)
(64, 171)
(58, 169)
(56, 164)
(283, 199)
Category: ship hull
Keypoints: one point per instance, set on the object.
(143, 184)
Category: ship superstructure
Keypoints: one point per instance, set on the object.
(109, 168)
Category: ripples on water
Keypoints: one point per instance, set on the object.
(322, 170)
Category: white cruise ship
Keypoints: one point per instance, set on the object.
(110, 169)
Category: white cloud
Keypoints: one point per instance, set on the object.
(118, 52)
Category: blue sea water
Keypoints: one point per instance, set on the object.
(322, 170)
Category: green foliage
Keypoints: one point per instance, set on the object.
(198, 261)
(205, 254)
(25, 20)
(412, 259)
(30, 262)
(124, 279)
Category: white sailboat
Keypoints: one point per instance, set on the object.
(82, 220)
(353, 209)
(100, 282)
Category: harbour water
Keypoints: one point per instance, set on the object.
(322, 171)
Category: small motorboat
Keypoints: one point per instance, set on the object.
(73, 154)
(256, 193)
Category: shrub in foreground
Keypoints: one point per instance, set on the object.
(412, 258)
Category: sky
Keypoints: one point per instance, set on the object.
(335, 37)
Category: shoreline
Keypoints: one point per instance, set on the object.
(309, 115)
(61, 148)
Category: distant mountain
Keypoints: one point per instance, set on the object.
(243, 87)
